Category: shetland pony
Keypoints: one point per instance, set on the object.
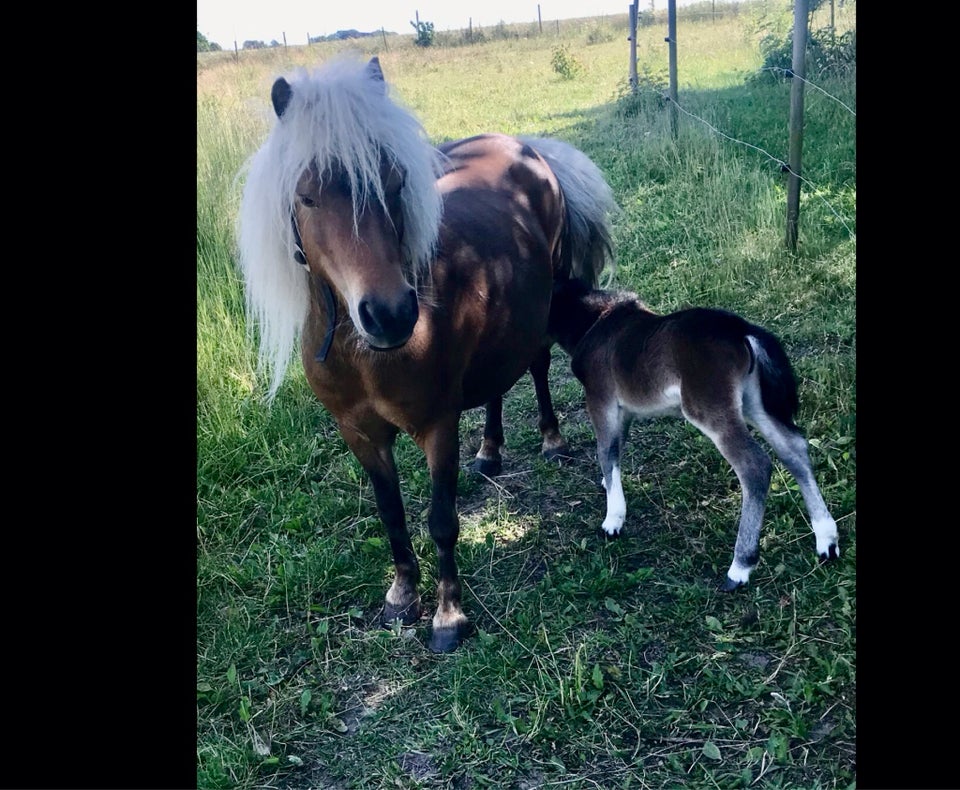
(719, 372)
(417, 282)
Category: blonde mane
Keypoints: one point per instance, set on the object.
(340, 112)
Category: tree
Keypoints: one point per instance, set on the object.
(206, 46)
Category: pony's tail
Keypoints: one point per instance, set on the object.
(590, 208)
(778, 384)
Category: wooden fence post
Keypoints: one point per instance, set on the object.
(632, 38)
(798, 73)
(672, 41)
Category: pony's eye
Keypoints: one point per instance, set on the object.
(342, 183)
(307, 201)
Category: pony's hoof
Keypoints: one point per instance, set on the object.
(407, 615)
(559, 454)
(610, 535)
(729, 585)
(448, 638)
(487, 466)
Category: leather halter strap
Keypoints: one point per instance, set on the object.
(328, 298)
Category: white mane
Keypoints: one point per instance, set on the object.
(336, 112)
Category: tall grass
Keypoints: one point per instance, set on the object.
(596, 664)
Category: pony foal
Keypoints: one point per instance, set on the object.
(712, 367)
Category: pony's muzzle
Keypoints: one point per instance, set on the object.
(389, 326)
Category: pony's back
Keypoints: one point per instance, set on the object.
(590, 207)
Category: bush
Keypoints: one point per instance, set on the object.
(827, 55)
(565, 64)
(425, 34)
(599, 35)
(649, 95)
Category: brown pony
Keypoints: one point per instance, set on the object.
(719, 372)
(423, 286)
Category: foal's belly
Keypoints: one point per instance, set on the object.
(649, 405)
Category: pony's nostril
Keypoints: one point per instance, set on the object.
(412, 312)
(367, 319)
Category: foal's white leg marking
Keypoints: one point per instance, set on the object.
(607, 418)
(739, 573)
(616, 504)
(826, 533)
(792, 450)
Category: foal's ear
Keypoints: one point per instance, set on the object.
(280, 96)
(375, 73)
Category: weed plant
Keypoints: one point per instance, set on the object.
(596, 663)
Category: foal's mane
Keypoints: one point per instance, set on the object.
(340, 113)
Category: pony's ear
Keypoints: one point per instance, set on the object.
(280, 96)
(375, 73)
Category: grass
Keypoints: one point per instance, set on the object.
(595, 663)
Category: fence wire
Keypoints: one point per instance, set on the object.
(784, 166)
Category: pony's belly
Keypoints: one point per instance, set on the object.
(495, 378)
(410, 386)
(495, 322)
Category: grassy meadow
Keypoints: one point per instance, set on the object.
(595, 663)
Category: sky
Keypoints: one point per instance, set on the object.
(226, 21)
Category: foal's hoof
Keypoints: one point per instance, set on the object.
(729, 585)
(448, 638)
(830, 554)
(489, 467)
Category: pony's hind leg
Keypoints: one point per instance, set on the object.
(402, 599)
(489, 462)
(554, 446)
(791, 447)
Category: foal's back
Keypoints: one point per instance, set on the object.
(693, 362)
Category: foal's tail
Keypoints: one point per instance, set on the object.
(590, 206)
(778, 385)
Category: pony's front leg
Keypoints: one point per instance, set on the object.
(441, 445)
(376, 457)
(554, 446)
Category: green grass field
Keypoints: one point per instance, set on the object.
(595, 663)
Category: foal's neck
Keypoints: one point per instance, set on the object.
(575, 310)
